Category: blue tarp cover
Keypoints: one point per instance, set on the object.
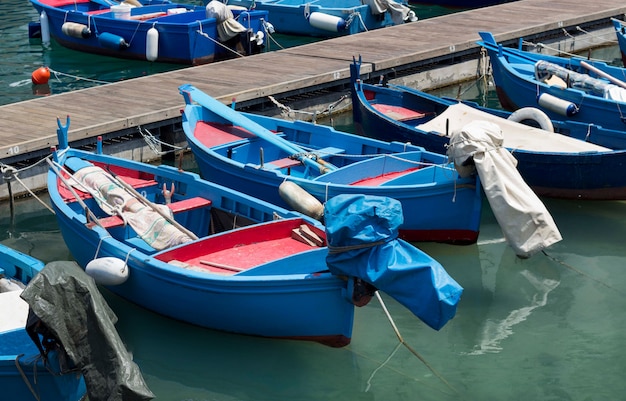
(362, 236)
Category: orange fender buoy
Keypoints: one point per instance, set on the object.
(41, 76)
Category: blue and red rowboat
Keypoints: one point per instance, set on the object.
(256, 154)
(564, 162)
(202, 253)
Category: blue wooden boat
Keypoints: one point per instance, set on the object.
(330, 18)
(204, 254)
(157, 30)
(257, 154)
(564, 162)
(24, 375)
(580, 90)
(620, 33)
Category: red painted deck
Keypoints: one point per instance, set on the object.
(242, 249)
(381, 179)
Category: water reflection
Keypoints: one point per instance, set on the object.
(186, 362)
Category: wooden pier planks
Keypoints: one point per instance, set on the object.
(31, 125)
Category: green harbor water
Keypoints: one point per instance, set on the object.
(551, 327)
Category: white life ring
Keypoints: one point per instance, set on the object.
(534, 114)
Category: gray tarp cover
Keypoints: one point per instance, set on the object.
(68, 301)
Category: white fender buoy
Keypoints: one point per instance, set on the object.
(533, 114)
(557, 105)
(327, 22)
(300, 200)
(45, 27)
(107, 270)
(152, 44)
(76, 30)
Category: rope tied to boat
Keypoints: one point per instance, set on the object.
(25, 379)
(154, 143)
(217, 42)
(10, 173)
(332, 107)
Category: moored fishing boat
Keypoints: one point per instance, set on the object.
(572, 88)
(330, 18)
(152, 30)
(257, 154)
(557, 158)
(207, 255)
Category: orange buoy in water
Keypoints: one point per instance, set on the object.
(41, 76)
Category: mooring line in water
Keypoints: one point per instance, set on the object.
(369, 380)
(421, 358)
(572, 268)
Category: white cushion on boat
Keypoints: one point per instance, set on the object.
(13, 311)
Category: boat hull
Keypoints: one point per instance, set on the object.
(430, 215)
(49, 386)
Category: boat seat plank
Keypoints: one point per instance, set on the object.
(184, 205)
(285, 162)
(400, 113)
(214, 134)
(329, 151)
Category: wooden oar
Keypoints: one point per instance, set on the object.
(151, 205)
(191, 93)
(603, 74)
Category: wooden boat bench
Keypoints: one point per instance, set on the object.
(288, 162)
(181, 206)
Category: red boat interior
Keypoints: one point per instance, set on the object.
(236, 251)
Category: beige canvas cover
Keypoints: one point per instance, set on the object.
(527, 225)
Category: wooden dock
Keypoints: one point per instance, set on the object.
(29, 127)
